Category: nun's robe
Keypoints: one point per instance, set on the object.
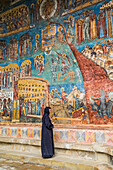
(47, 144)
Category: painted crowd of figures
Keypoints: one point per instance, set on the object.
(25, 108)
(91, 26)
(16, 48)
(15, 19)
(70, 56)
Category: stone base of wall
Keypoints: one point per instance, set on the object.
(89, 144)
(95, 152)
(89, 156)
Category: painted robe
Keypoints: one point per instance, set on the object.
(109, 23)
(79, 30)
(93, 28)
(87, 28)
(102, 21)
(32, 16)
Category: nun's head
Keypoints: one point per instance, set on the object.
(47, 110)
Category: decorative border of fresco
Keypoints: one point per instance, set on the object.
(60, 134)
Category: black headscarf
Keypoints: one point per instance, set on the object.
(46, 110)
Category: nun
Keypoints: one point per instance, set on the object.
(47, 143)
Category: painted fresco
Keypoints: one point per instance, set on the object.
(59, 54)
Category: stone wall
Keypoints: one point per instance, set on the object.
(79, 144)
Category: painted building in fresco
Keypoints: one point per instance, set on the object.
(57, 53)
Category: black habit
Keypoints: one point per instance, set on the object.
(47, 144)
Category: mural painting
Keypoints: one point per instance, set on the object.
(58, 57)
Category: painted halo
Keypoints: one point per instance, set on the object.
(48, 8)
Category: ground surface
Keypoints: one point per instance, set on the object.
(6, 164)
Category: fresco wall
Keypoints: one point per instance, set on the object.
(57, 53)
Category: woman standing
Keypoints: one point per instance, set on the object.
(47, 144)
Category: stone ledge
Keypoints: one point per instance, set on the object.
(86, 152)
(61, 126)
(95, 148)
(58, 161)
